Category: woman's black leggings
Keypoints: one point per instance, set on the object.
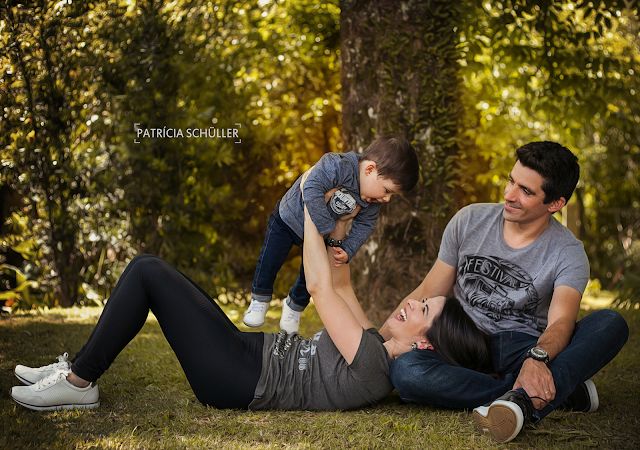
(222, 363)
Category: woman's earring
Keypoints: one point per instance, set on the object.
(414, 346)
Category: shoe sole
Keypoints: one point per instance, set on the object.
(499, 420)
(253, 324)
(57, 407)
(289, 329)
(593, 396)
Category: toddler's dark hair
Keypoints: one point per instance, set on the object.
(395, 159)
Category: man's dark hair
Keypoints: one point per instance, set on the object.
(457, 339)
(556, 164)
(395, 159)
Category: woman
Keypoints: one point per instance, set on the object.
(341, 367)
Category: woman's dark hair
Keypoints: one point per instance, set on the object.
(457, 339)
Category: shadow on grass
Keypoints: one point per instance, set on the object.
(146, 402)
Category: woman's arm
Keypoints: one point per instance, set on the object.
(342, 280)
(337, 316)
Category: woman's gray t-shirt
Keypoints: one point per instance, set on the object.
(313, 375)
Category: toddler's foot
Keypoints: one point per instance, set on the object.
(254, 317)
(31, 375)
(290, 321)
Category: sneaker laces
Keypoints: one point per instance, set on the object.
(293, 315)
(52, 379)
(256, 306)
(62, 359)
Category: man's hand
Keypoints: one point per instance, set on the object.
(537, 381)
(340, 257)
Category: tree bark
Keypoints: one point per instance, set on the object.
(400, 76)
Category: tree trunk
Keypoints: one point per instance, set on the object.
(400, 76)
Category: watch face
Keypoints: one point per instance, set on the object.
(538, 352)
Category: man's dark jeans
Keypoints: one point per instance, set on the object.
(422, 377)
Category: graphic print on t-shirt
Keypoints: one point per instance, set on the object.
(342, 202)
(308, 349)
(499, 289)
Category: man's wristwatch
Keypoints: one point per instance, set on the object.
(331, 242)
(538, 354)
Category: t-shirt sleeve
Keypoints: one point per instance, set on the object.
(451, 239)
(573, 267)
(371, 365)
(363, 224)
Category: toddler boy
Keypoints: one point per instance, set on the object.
(388, 166)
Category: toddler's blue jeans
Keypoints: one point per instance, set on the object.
(276, 246)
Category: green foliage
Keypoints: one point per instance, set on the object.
(94, 197)
(53, 147)
(20, 295)
(76, 78)
(628, 292)
(563, 71)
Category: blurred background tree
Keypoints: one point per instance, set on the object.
(467, 82)
(400, 75)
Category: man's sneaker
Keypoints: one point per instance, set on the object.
(254, 317)
(584, 398)
(290, 320)
(31, 375)
(504, 417)
(55, 392)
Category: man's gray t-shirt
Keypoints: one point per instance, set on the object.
(313, 375)
(507, 289)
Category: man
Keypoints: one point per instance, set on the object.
(520, 275)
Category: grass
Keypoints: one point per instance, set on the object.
(146, 402)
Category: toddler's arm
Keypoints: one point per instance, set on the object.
(363, 225)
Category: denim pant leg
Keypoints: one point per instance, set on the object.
(596, 340)
(421, 376)
(298, 294)
(275, 248)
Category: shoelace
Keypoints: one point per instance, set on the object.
(256, 306)
(52, 379)
(294, 315)
(64, 358)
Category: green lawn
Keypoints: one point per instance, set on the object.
(146, 403)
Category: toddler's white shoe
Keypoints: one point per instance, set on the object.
(31, 375)
(290, 320)
(54, 392)
(254, 317)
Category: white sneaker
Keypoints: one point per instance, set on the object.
(290, 320)
(254, 317)
(31, 375)
(55, 392)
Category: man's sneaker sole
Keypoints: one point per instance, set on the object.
(593, 396)
(56, 407)
(503, 420)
